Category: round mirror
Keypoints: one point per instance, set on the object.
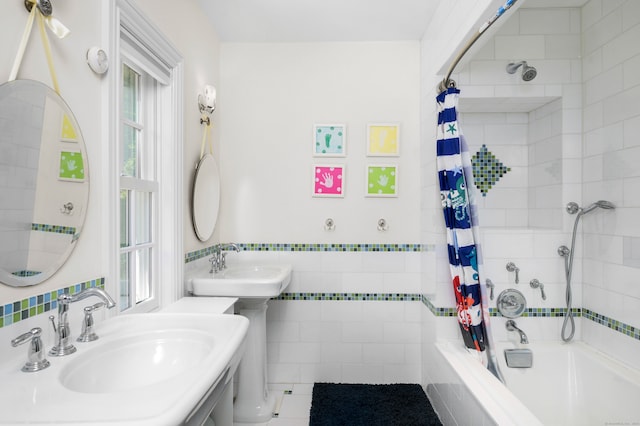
(205, 197)
(44, 182)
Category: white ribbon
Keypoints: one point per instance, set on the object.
(54, 25)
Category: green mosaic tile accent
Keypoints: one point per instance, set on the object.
(487, 169)
(376, 297)
(626, 329)
(300, 247)
(56, 229)
(25, 273)
(12, 313)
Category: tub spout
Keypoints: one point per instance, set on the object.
(511, 326)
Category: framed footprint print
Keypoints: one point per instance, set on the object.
(329, 140)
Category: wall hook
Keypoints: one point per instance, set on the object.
(382, 225)
(329, 225)
(67, 208)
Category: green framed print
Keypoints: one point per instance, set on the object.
(382, 180)
(71, 166)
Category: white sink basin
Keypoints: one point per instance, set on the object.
(136, 361)
(145, 369)
(243, 281)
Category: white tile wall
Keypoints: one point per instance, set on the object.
(344, 341)
(590, 58)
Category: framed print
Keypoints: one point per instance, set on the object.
(71, 166)
(382, 180)
(383, 140)
(329, 140)
(67, 130)
(328, 180)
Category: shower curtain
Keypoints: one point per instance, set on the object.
(456, 186)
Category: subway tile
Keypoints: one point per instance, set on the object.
(620, 49)
(342, 353)
(630, 15)
(362, 332)
(522, 46)
(562, 46)
(546, 21)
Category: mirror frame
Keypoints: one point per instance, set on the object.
(205, 197)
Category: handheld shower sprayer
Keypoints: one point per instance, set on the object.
(567, 254)
(573, 208)
(528, 72)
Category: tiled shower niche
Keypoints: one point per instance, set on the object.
(517, 149)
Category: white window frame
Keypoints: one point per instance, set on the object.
(166, 65)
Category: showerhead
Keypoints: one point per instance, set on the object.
(528, 72)
(573, 208)
(603, 204)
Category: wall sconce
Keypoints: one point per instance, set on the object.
(207, 104)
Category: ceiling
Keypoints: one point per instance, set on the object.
(318, 21)
(330, 20)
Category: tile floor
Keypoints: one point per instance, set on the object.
(293, 404)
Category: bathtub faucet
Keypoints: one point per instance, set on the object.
(511, 326)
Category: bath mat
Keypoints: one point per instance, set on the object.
(335, 404)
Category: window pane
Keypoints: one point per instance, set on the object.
(130, 97)
(124, 281)
(124, 218)
(143, 217)
(130, 149)
(143, 275)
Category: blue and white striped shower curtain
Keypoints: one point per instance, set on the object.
(456, 186)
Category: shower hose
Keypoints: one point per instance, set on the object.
(568, 268)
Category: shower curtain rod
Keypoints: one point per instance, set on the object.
(447, 82)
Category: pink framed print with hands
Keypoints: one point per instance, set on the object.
(328, 180)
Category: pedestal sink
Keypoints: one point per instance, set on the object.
(253, 285)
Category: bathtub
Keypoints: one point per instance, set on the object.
(569, 384)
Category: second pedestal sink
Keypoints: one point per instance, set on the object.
(243, 281)
(253, 285)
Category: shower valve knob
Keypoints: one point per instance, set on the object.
(511, 267)
(534, 283)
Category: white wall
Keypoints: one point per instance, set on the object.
(611, 71)
(271, 96)
(86, 92)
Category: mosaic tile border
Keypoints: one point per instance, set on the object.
(56, 229)
(307, 247)
(20, 310)
(377, 297)
(626, 329)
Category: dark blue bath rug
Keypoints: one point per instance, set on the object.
(336, 404)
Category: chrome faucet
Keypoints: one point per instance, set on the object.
(63, 333)
(219, 258)
(511, 326)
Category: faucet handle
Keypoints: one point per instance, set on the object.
(36, 360)
(87, 334)
(491, 286)
(534, 283)
(511, 267)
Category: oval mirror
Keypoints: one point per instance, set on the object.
(44, 182)
(205, 197)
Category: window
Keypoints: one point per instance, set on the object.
(145, 224)
(138, 187)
